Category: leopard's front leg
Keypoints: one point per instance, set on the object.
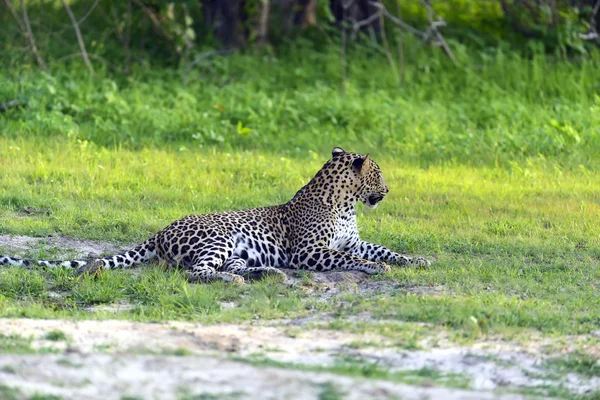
(375, 252)
(321, 258)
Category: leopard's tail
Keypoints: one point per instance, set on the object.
(19, 262)
(141, 253)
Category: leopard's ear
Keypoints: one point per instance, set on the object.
(360, 163)
(337, 151)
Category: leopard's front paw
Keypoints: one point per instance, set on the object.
(382, 268)
(232, 278)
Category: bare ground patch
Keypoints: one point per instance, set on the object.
(487, 365)
(112, 376)
(71, 247)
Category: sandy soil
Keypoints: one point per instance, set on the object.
(111, 376)
(488, 365)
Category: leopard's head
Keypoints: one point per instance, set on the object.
(370, 186)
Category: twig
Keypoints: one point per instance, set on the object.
(87, 14)
(40, 61)
(402, 24)
(84, 53)
(365, 22)
(25, 27)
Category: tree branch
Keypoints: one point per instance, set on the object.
(401, 24)
(433, 25)
(87, 14)
(25, 28)
(365, 22)
(432, 31)
(84, 53)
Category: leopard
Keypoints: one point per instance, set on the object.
(316, 230)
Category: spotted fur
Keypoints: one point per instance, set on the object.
(316, 230)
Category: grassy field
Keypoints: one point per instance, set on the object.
(514, 248)
(493, 171)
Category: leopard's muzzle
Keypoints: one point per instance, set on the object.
(374, 199)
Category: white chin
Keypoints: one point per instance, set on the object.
(371, 206)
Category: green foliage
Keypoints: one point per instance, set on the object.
(530, 26)
(524, 109)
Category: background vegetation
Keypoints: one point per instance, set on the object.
(157, 74)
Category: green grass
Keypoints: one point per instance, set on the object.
(185, 395)
(583, 364)
(492, 165)
(330, 392)
(356, 367)
(14, 344)
(9, 393)
(45, 397)
(55, 336)
(512, 247)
